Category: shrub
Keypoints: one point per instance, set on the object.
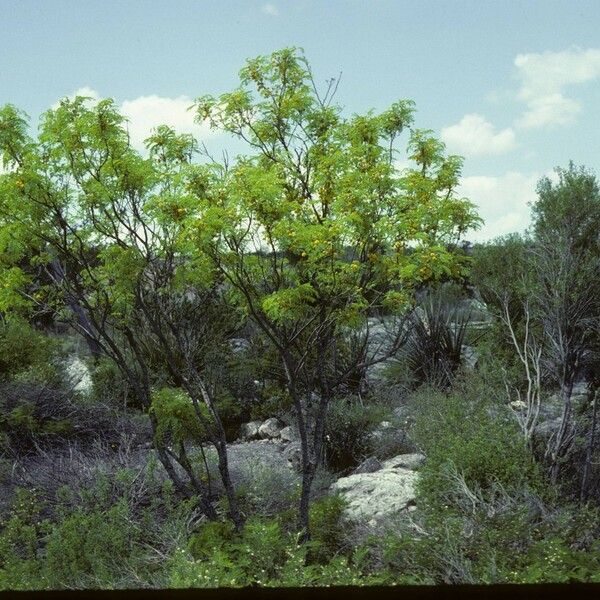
(26, 352)
(88, 549)
(474, 434)
(433, 351)
(348, 431)
(265, 555)
(274, 402)
(34, 415)
(22, 530)
(329, 535)
(486, 512)
(266, 490)
(109, 386)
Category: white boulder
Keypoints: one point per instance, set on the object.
(79, 375)
(288, 434)
(271, 428)
(249, 431)
(374, 496)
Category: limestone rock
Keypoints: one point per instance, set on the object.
(381, 429)
(78, 373)
(405, 461)
(372, 497)
(249, 431)
(293, 454)
(271, 428)
(288, 434)
(370, 465)
(470, 357)
(239, 345)
(547, 428)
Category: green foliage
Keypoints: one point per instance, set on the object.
(471, 431)
(90, 546)
(491, 262)
(486, 512)
(274, 402)
(266, 555)
(22, 530)
(109, 385)
(438, 328)
(102, 537)
(348, 430)
(177, 417)
(25, 353)
(343, 231)
(572, 203)
(266, 491)
(330, 530)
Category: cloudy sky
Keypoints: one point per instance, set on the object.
(512, 86)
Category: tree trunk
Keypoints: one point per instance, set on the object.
(560, 445)
(83, 321)
(234, 509)
(590, 449)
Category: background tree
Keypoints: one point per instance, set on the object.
(566, 259)
(548, 309)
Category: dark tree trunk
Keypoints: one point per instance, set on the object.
(83, 321)
(234, 510)
(584, 494)
(562, 437)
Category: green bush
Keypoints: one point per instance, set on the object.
(265, 490)
(486, 511)
(112, 535)
(176, 415)
(348, 431)
(329, 532)
(265, 555)
(469, 430)
(109, 386)
(274, 402)
(22, 531)
(26, 353)
(88, 549)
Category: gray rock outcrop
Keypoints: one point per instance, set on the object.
(270, 429)
(405, 461)
(249, 431)
(370, 465)
(289, 434)
(384, 493)
(293, 454)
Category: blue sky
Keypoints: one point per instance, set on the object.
(512, 86)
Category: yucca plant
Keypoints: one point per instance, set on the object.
(433, 351)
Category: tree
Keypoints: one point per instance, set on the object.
(317, 229)
(104, 226)
(515, 335)
(566, 260)
(549, 307)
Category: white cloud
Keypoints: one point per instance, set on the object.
(503, 202)
(270, 9)
(86, 91)
(147, 112)
(473, 135)
(543, 79)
